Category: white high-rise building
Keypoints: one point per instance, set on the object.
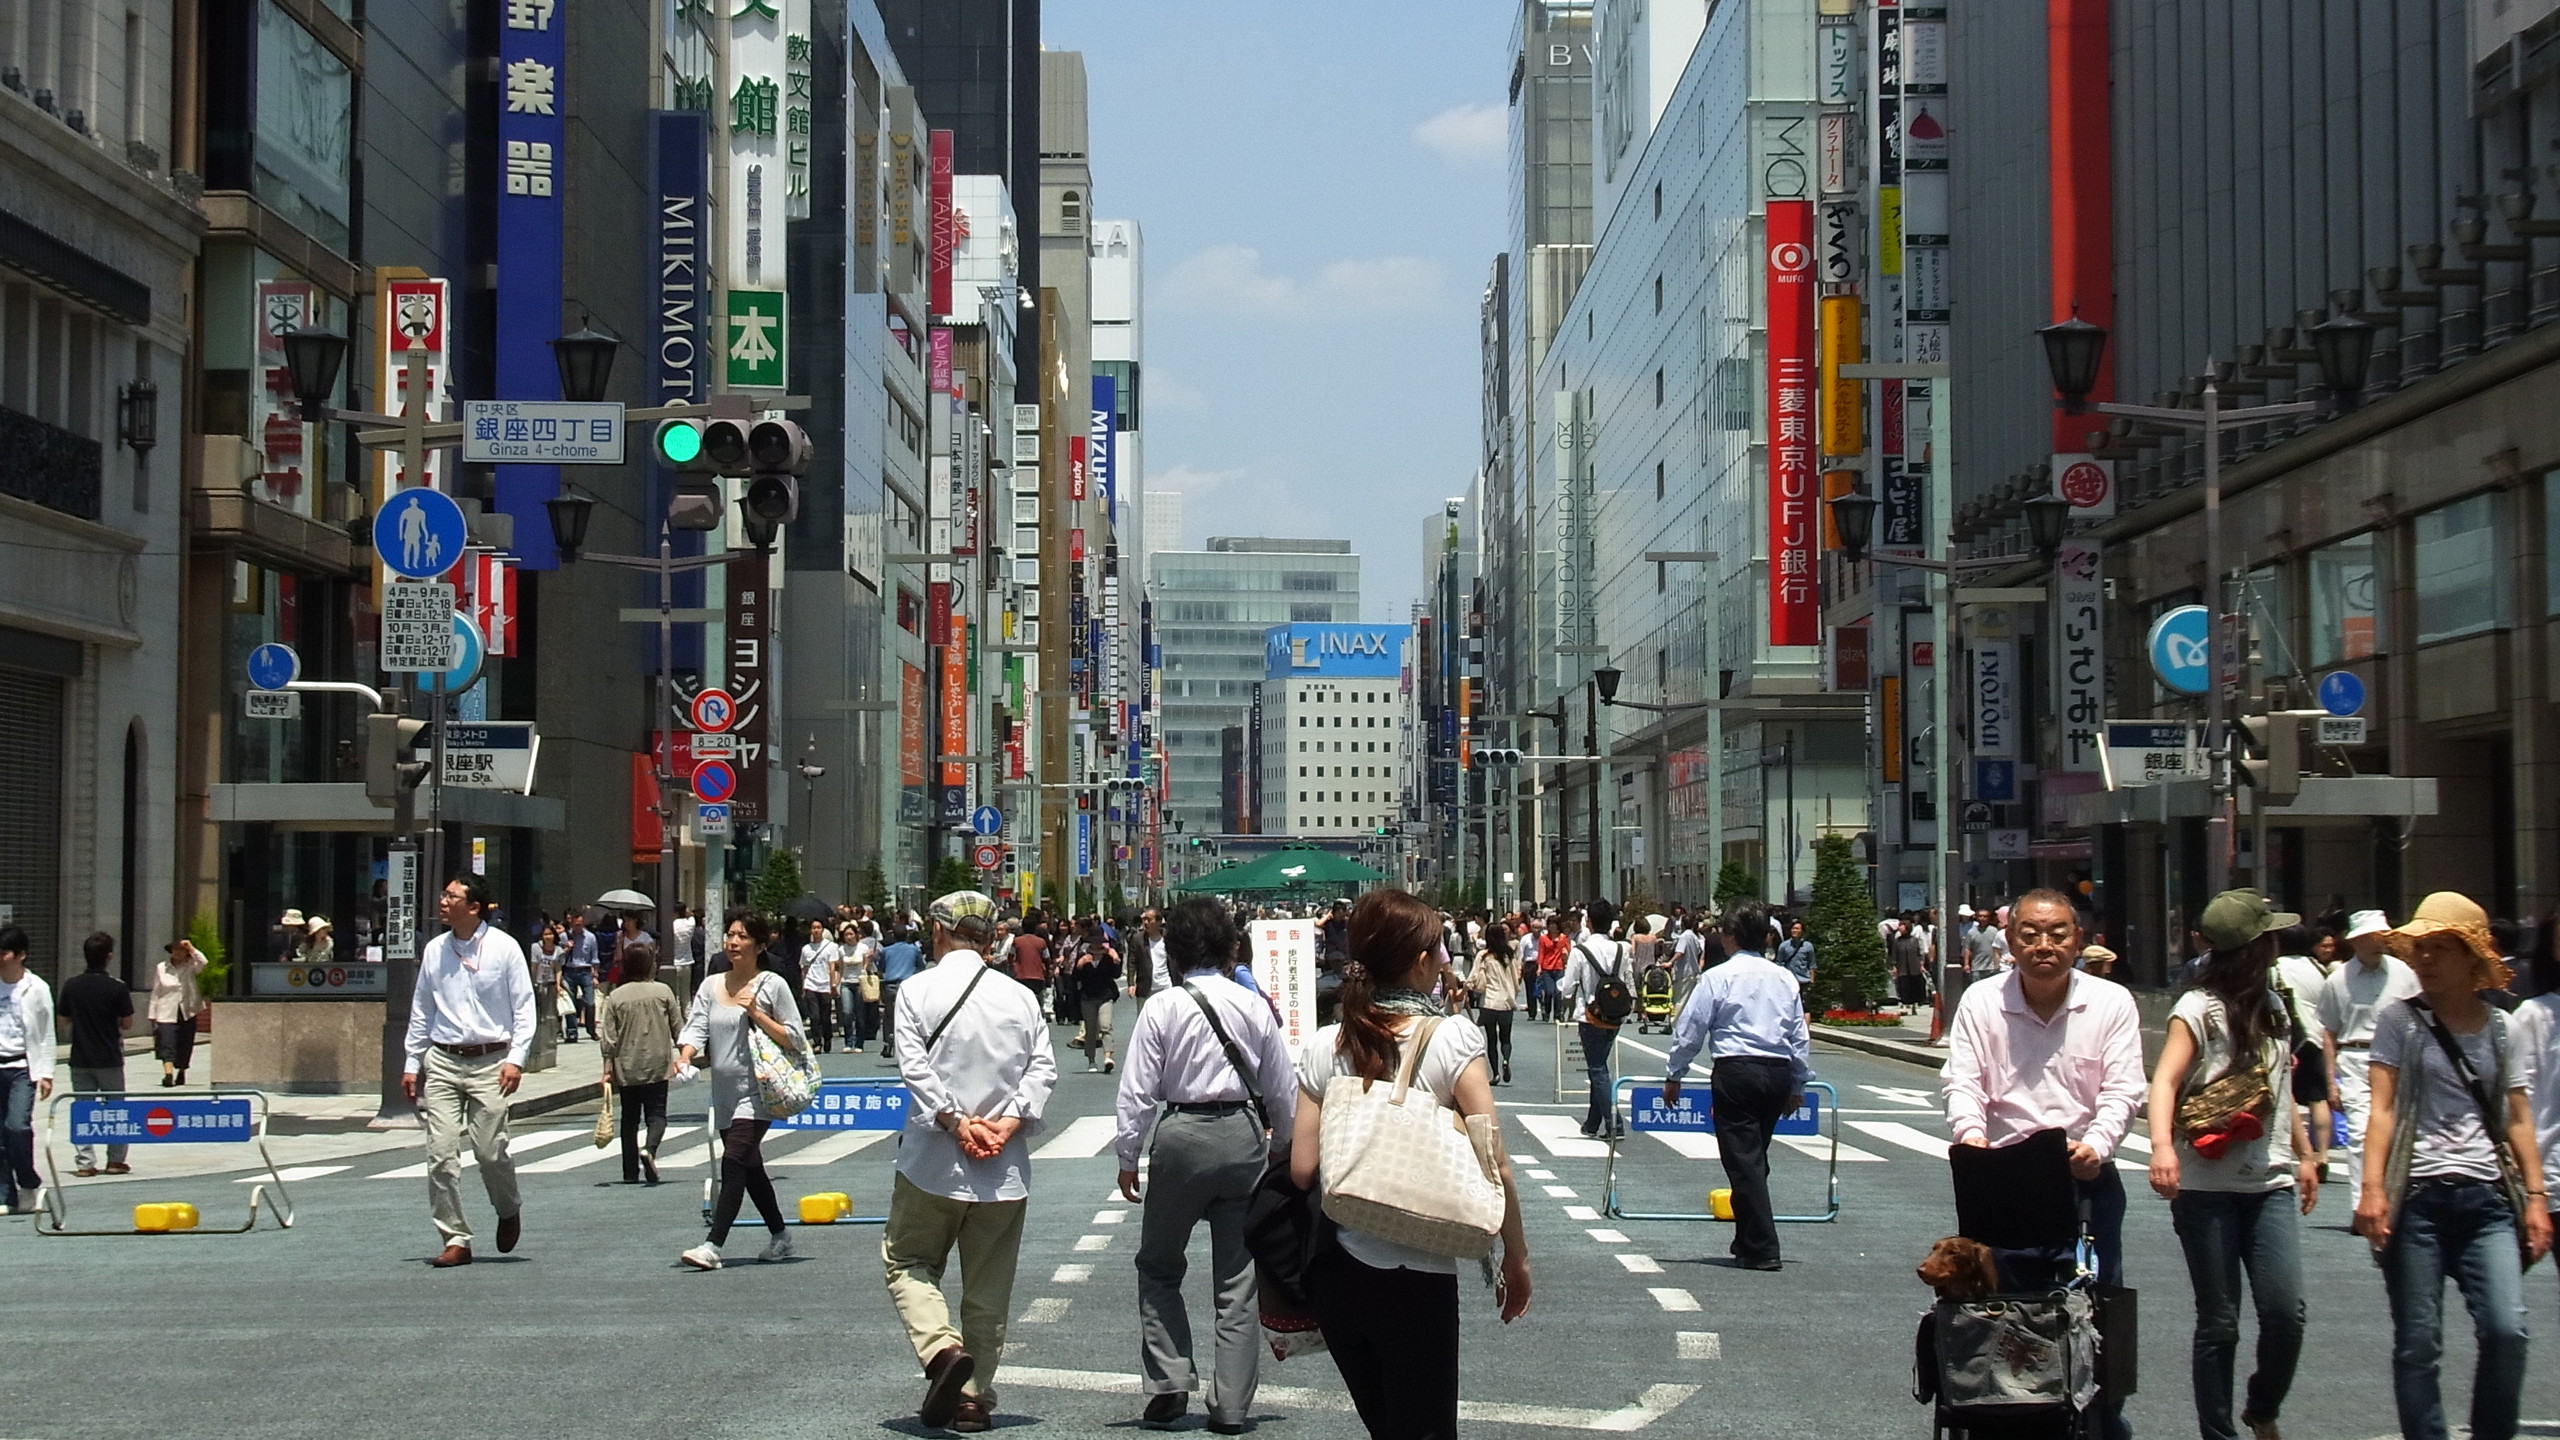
(1163, 517)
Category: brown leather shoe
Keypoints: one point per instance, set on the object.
(944, 1374)
(453, 1255)
(974, 1416)
(510, 1230)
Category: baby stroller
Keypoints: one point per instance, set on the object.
(1654, 999)
(2032, 1360)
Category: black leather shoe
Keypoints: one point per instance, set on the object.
(1164, 1411)
(943, 1377)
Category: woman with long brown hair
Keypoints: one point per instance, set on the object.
(1389, 1312)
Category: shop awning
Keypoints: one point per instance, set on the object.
(345, 806)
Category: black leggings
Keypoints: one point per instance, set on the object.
(641, 1102)
(742, 1176)
(1497, 1041)
(1394, 1336)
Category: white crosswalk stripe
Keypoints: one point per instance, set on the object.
(516, 1145)
(835, 1145)
(1085, 1136)
(1562, 1136)
(553, 1165)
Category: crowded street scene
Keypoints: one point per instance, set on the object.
(1477, 718)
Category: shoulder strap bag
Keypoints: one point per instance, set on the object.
(786, 1077)
(1406, 1169)
(1609, 997)
(1235, 1057)
(2512, 1184)
(954, 1012)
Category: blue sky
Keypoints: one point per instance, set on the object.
(1321, 189)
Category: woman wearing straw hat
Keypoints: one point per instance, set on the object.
(2449, 1092)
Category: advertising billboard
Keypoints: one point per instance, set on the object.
(1328, 651)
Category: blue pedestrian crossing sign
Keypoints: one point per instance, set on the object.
(2342, 692)
(273, 666)
(987, 820)
(419, 533)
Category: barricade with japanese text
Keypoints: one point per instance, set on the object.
(1694, 1115)
(158, 1117)
(842, 1104)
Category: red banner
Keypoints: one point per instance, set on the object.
(1794, 487)
(940, 239)
(645, 834)
(955, 700)
(1075, 468)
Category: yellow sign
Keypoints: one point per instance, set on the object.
(1843, 427)
(1889, 230)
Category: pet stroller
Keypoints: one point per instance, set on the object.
(1654, 1000)
(2031, 1360)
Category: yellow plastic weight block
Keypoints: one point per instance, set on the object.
(155, 1219)
(1721, 1202)
(821, 1209)
(182, 1216)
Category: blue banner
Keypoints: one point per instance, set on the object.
(1084, 845)
(680, 150)
(1102, 450)
(161, 1122)
(1645, 1111)
(532, 144)
(852, 1105)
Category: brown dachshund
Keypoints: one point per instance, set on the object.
(1960, 1269)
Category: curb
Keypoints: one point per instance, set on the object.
(1873, 1044)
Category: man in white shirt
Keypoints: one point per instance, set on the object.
(470, 1024)
(979, 1070)
(2041, 1046)
(1208, 1052)
(677, 965)
(2349, 1000)
(1151, 926)
(1594, 964)
(26, 1072)
(1747, 1014)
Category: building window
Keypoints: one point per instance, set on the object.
(1070, 213)
(305, 97)
(1657, 294)
(2551, 543)
(2343, 615)
(1657, 388)
(1657, 214)
(1657, 494)
(2456, 570)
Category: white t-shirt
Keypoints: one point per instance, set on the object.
(2300, 976)
(818, 967)
(13, 1027)
(1455, 1045)
(2265, 1163)
(2534, 1031)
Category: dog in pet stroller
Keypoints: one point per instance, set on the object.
(2022, 1341)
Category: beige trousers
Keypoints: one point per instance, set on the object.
(460, 1097)
(923, 1227)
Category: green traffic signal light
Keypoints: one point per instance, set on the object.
(679, 442)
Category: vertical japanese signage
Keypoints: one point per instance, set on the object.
(680, 158)
(1794, 608)
(1844, 430)
(940, 235)
(761, 36)
(400, 902)
(1922, 68)
(532, 141)
(1897, 483)
(1284, 960)
(955, 720)
(750, 617)
(2079, 662)
(798, 100)
(910, 744)
(1995, 699)
(284, 306)
(410, 311)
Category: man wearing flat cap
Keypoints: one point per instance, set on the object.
(2348, 1003)
(978, 1068)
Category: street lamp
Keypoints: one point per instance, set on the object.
(1607, 678)
(1853, 515)
(2072, 350)
(2047, 517)
(810, 770)
(2344, 342)
(585, 357)
(312, 359)
(570, 510)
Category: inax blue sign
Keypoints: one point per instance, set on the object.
(1336, 650)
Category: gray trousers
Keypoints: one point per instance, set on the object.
(98, 1080)
(1203, 1167)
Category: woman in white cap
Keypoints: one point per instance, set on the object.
(2450, 1093)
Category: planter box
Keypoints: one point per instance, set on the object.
(300, 1047)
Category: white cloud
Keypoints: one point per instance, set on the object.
(1230, 279)
(1467, 135)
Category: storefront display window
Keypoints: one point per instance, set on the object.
(2343, 614)
(2456, 570)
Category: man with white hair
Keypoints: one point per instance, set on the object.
(2350, 1000)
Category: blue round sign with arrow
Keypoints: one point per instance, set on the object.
(469, 654)
(273, 666)
(419, 533)
(2342, 692)
(987, 820)
(2181, 649)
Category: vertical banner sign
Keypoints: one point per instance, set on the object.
(532, 141)
(955, 721)
(798, 102)
(750, 617)
(757, 67)
(1844, 428)
(2080, 667)
(937, 369)
(1284, 960)
(1926, 305)
(400, 904)
(1794, 608)
(284, 306)
(680, 158)
(1076, 468)
(941, 237)
(1897, 486)
(910, 744)
(1995, 699)
(411, 311)
(1102, 453)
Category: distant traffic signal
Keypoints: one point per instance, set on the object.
(777, 453)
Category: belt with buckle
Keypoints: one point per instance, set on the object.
(2355, 1044)
(1207, 1107)
(472, 1052)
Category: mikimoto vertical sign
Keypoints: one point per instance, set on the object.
(685, 343)
(1794, 487)
(750, 618)
(532, 141)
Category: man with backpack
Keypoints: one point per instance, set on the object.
(1747, 1016)
(1600, 979)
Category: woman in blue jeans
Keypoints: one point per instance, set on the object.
(2238, 1186)
(2440, 1209)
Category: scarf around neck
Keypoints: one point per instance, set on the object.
(1396, 1000)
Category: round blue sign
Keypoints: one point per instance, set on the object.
(2181, 649)
(273, 666)
(419, 533)
(2341, 692)
(466, 670)
(987, 820)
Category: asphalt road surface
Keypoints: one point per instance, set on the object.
(337, 1327)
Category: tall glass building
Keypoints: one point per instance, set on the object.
(1211, 609)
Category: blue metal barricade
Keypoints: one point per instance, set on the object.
(217, 1116)
(842, 1103)
(1647, 1114)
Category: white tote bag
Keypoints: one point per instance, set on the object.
(1399, 1165)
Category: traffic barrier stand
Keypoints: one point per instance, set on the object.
(217, 1116)
(841, 1104)
(1694, 1115)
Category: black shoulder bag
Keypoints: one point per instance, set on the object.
(2512, 1183)
(1235, 1057)
(954, 1012)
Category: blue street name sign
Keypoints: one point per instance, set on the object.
(987, 820)
(2342, 692)
(852, 1105)
(2181, 649)
(1645, 1111)
(419, 533)
(273, 666)
(160, 1122)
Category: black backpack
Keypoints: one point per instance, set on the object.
(1610, 999)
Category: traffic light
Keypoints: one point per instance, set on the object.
(699, 501)
(2271, 753)
(388, 772)
(777, 454)
(1501, 757)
